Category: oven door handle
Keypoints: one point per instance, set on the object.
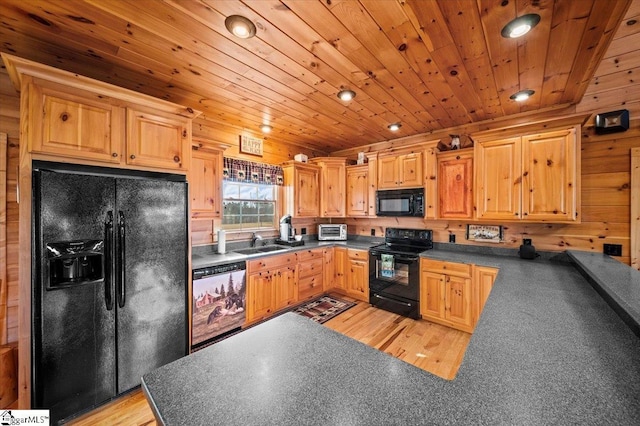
(392, 300)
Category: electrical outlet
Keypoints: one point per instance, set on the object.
(526, 241)
(303, 231)
(452, 238)
(612, 249)
(373, 232)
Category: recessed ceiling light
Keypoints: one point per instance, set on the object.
(265, 128)
(522, 95)
(240, 26)
(346, 95)
(394, 127)
(520, 26)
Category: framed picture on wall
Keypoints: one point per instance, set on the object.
(250, 145)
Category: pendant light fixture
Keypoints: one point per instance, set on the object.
(240, 26)
(346, 95)
(520, 26)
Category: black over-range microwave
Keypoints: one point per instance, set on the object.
(400, 202)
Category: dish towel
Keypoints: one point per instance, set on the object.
(387, 268)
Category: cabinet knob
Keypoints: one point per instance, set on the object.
(133, 157)
(64, 116)
(176, 159)
(526, 214)
(114, 154)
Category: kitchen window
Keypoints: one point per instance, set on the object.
(249, 206)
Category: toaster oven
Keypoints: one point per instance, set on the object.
(332, 232)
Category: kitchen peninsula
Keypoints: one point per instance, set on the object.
(547, 350)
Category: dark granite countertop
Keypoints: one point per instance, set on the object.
(548, 349)
(207, 256)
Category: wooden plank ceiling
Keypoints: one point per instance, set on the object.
(426, 64)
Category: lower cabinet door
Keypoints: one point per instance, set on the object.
(259, 291)
(458, 302)
(285, 291)
(432, 303)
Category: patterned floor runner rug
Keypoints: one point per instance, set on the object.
(323, 308)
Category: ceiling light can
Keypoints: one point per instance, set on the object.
(346, 95)
(522, 95)
(265, 128)
(394, 127)
(520, 26)
(240, 26)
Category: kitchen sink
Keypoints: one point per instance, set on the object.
(259, 250)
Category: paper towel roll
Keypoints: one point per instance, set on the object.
(222, 241)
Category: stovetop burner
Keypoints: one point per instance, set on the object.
(405, 241)
(399, 248)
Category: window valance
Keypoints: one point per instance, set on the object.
(248, 171)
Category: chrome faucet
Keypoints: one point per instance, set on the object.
(255, 237)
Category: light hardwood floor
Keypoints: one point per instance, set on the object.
(428, 346)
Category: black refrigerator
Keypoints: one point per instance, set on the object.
(109, 301)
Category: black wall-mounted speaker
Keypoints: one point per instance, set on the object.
(612, 122)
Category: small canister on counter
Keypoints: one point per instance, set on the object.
(222, 241)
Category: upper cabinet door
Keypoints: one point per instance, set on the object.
(498, 179)
(306, 192)
(549, 176)
(357, 190)
(333, 191)
(205, 181)
(387, 172)
(410, 170)
(158, 140)
(455, 185)
(74, 126)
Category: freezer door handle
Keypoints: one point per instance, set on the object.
(108, 250)
(121, 255)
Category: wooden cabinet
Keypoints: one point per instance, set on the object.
(332, 185)
(301, 189)
(357, 282)
(310, 274)
(271, 285)
(155, 139)
(341, 265)
(76, 125)
(285, 288)
(259, 295)
(498, 178)
(358, 191)
(98, 123)
(483, 278)
(446, 293)
(205, 180)
(532, 177)
(328, 269)
(455, 184)
(400, 170)
(453, 294)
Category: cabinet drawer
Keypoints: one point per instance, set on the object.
(310, 267)
(443, 267)
(309, 286)
(270, 262)
(358, 254)
(306, 255)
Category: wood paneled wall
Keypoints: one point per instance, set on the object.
(204, 231)
(10, 124)
(605, 216)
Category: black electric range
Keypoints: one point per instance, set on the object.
(394, 270)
